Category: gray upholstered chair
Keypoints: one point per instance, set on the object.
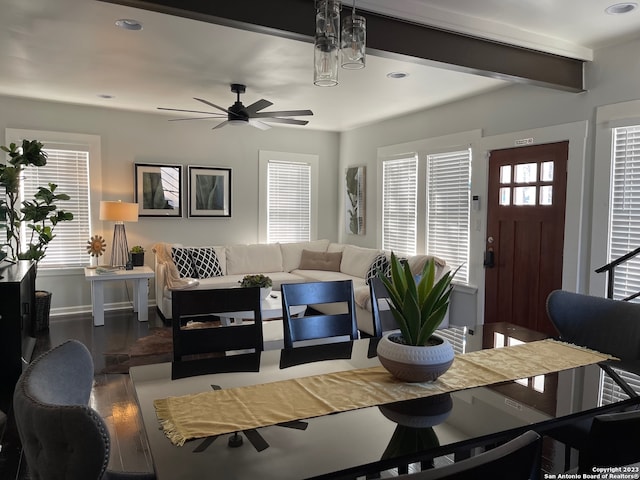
(518, 459)
(62, 436)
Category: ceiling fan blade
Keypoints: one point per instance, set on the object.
(282, 113)
(220, 125)
(186, 111)
(259, 124)
(195, 118)
(288, 121)
(259, 105)
(211, 104)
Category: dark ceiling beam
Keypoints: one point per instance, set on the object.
(387, 37)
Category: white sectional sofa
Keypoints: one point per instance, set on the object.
(319, 260)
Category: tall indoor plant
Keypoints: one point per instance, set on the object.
(36, 218)
(29, 223)
(418, 305)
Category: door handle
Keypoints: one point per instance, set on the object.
(489, 258)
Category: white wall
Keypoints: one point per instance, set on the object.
(127, 138)
(504, 115)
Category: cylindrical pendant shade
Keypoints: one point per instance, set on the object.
(327, 43)
(354, 39)
(119, 211)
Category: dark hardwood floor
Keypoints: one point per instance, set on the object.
(112, 396)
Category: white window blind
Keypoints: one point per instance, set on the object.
(289, 202)
(610, 392)
(399, 204)
(69, 170)
(448, 191)
(624, 233)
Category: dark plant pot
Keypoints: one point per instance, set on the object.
(137, 259)
(43, 308)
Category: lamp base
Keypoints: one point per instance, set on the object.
(119, 247)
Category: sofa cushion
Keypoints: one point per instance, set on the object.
(262, 258)
(329, 261)
(356, 260)
(205, 262)
(292, 252)
(182, 258)
(379, 266)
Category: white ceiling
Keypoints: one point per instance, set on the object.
(71, 51)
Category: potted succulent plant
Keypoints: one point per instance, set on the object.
(415, 354)
(258, 280)
(30, 223)
(137, 255)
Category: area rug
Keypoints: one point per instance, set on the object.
(157, 347)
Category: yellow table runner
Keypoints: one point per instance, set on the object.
(223, 411)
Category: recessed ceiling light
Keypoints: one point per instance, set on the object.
(105, 95)
(129, 24)
(620, 8)
(397, 74)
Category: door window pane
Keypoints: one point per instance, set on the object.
(505, 196)
(546, 195)
(505, 174)
(524, 196)
(546, 171)
(526, 173)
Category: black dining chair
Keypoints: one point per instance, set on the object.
(61, 435)
(313, 324)
(606, 440)
(383, 320)
(199, 335)
(517, 459)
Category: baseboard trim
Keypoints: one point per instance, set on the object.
(81, 309)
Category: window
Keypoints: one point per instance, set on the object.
(448, 191)
(69, 170)
(624, 229)
(288, 202)
(288, 196)
(399, 204)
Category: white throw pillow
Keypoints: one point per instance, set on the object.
(356, 260)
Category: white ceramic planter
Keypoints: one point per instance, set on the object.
(264, 292)
(415, 364)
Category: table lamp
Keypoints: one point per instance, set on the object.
(119, 212)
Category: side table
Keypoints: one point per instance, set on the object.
(140, 277)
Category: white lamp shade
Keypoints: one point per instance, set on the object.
(119, 211)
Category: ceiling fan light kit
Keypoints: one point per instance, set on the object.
(328, 48)
(239, 115)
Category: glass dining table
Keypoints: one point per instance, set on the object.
(364, 441)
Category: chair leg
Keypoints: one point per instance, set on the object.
(567, 458)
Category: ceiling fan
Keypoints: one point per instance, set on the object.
(239, 115)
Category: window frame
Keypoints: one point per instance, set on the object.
(62, 140)
(264, 157)
(423, 148)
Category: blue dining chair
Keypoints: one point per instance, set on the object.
(62, 436)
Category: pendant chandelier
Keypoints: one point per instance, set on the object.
(329, 50)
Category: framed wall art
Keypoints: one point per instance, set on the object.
(209, 191)
(158, 190)
(355, 200)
